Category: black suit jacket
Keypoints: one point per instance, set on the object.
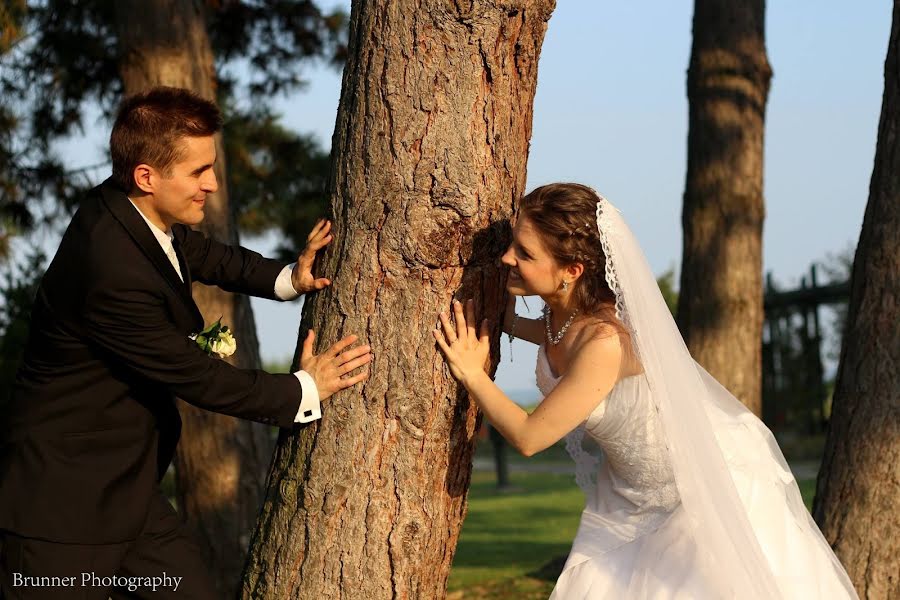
(92, 423)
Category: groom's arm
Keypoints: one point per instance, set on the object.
(130, 324)
(233, 268)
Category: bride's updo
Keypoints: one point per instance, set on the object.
(565, 217)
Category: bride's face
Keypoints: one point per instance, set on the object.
(532, 270)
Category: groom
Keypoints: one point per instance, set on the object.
(92, 423)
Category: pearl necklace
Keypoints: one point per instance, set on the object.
(556, 339)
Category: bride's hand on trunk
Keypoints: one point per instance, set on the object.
(465, 351)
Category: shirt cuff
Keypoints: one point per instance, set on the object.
(310, 408)
(284, 288)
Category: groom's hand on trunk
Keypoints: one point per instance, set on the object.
(332, 370)
(302, 277)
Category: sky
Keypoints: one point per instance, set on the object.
(611, 112)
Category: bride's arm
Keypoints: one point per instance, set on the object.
(530, 330)
(592, 373)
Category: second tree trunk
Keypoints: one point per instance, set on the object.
(720, 301)
(220, 462)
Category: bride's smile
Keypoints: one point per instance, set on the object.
(532, 269)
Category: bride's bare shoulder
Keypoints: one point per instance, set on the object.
(605, 332)
(595, 336)
(596, 330)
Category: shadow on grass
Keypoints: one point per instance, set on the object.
(550, 570)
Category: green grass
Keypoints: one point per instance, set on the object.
(554, 454)
(507, 535)
(808, 491)
(513, 543)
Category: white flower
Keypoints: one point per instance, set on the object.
(224, 345)
(216, 340)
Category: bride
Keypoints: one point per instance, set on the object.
(687, 493)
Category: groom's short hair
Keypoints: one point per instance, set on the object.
(150, 125)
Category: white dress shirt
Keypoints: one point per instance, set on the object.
(310, 406)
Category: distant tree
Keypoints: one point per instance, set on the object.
(220, 462)
(16, 298)
(65, 59)
(837, 268)
(16, 215)
(17, 161)
(857, 502)
(720, 305)
(265, 161)
(666, 283)
(12, 14)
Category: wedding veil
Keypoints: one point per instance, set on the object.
(693, 409)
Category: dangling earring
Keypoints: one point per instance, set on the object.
(565, 286)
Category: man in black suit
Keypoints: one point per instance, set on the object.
(92, 423)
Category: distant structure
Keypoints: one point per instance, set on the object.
(794, 391)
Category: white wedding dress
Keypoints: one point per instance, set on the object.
(687, 493)
(632, 541)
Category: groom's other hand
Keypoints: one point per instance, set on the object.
(332, 369)
(302, 277)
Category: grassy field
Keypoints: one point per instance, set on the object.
(509, 536)
(514, 543)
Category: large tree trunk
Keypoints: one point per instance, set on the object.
(720, 303)
(858, 493)
(429, 154)
(220, 462)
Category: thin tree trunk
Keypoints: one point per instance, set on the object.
(858, 492)
(220, 462)
(720, 303)
(430, 149)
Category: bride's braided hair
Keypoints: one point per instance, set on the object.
(564, 215)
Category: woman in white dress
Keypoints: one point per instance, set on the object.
(687, 493)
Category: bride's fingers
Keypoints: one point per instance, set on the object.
(448, 328)
(485, 336)
(470, 319)
(440, 340)
(460, 319)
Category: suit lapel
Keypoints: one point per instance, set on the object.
(182, 264)
(121, 208)
(186, 275)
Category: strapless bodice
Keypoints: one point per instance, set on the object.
(633, 462)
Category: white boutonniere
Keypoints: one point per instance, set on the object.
(216, 339)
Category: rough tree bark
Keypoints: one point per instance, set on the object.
(220, 463)
(430, 150)
(720, 303)
(857, 501)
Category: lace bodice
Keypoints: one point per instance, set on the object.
(631, 471)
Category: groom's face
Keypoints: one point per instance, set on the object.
(180, 196)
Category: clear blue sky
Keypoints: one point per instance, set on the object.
(611, 111)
